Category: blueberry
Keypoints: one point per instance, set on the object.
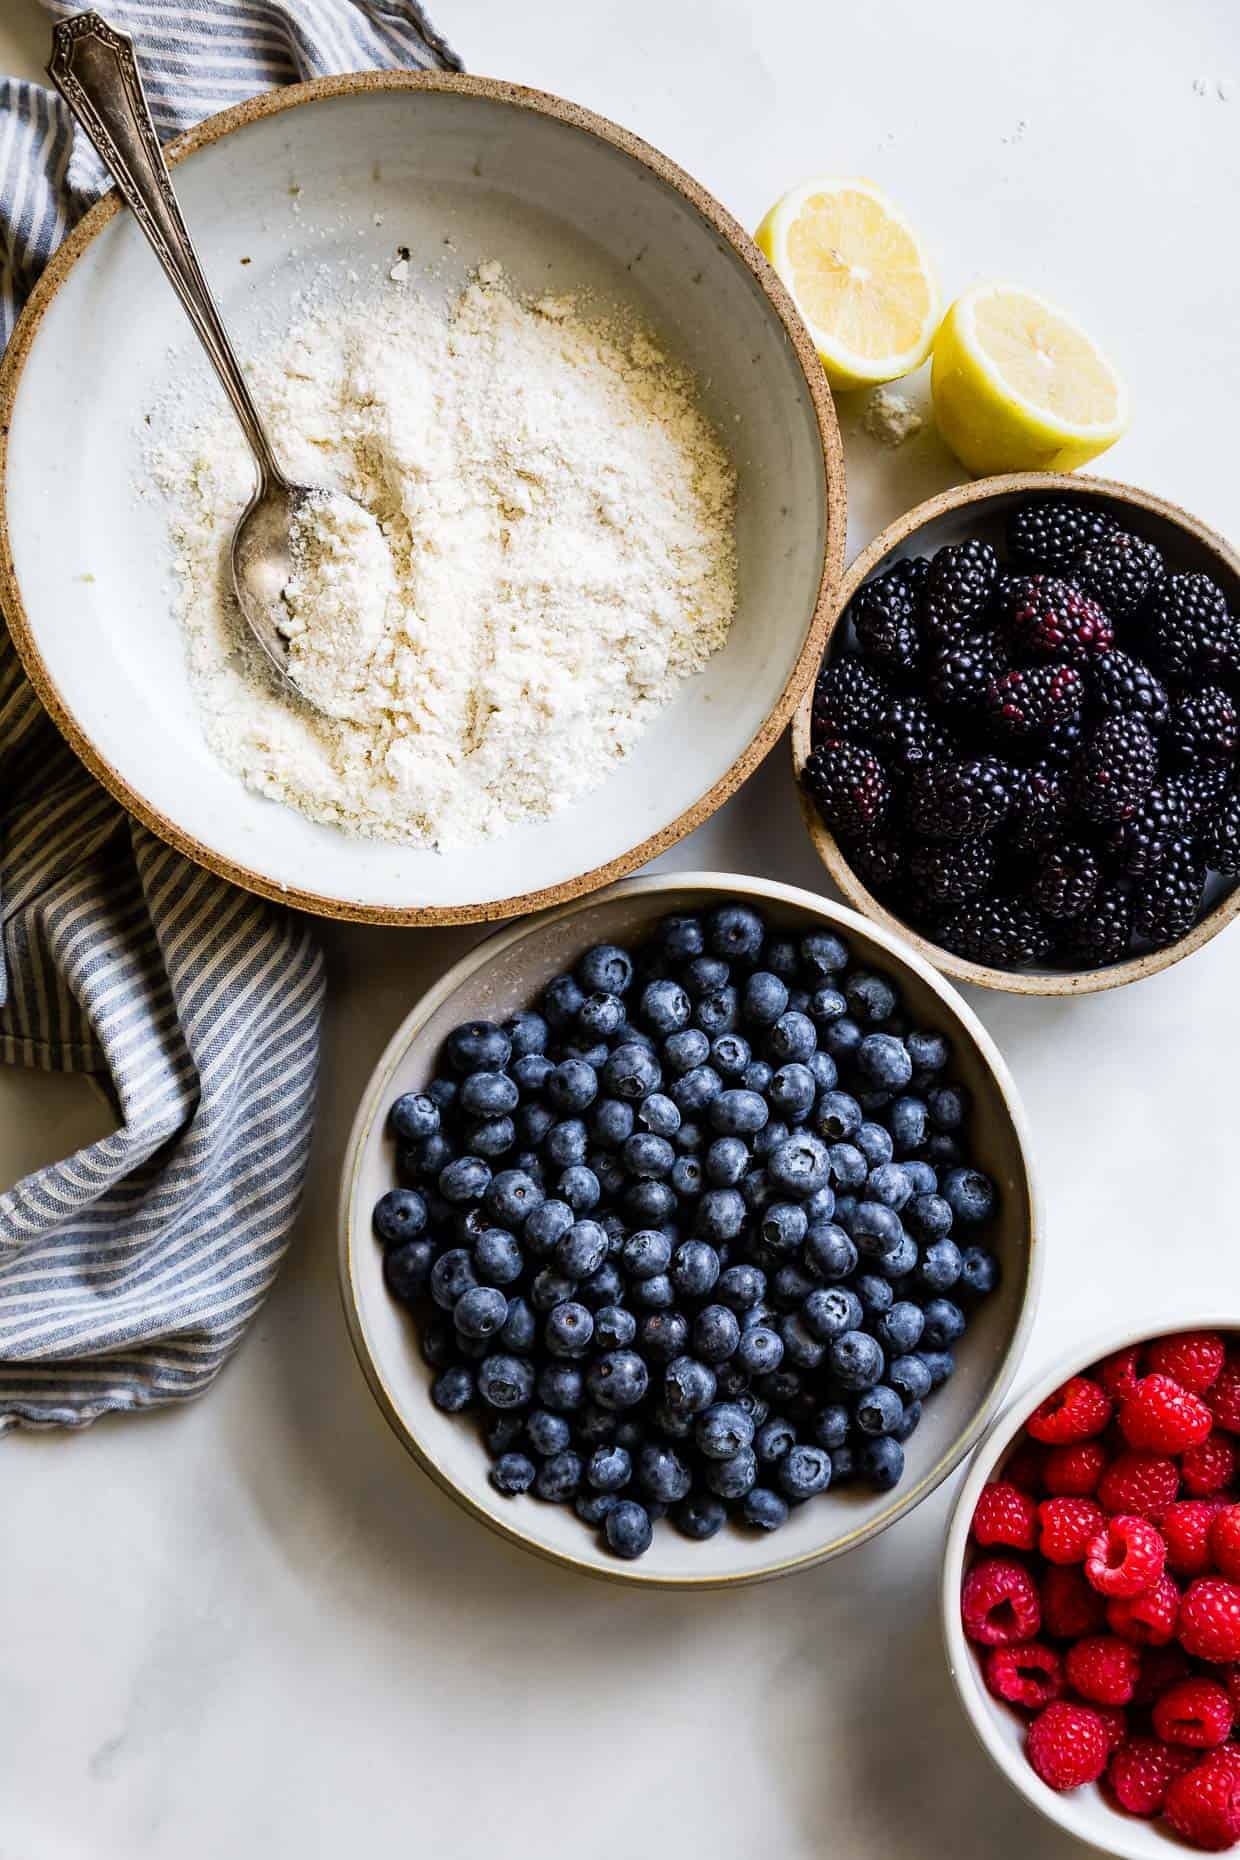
(792, 1090)
(466, 1179)
(662, 1474)
(831, 1426)
(600, 1016)
(399, 1215)
(561, 1386)
(944, 1324)
(773, 1439)
(706, 975)
(452, 1274)
(943, 1150)
(593, 1507)
(732, 1478)
(699, 1516)
(478, 1045)
(827, 1004)
(889, 1183)
(568, 1329)
(725, 1162)
(784, 1226)
(550, 1288)
(488, 1094)
(723, 1429)
(781, 1387)
(759, 1351)
(884, 1062)
(898, 1264)
(820, 1206)
(729, 1054)
(849, 1167)
(655, 1294)
(871, 999)
(453, 1389)
(800, 1166)
(665, 1007)
(480, 1311)
(533, 1123)
(841, 1038)
(843, 1465)
(881, 1463)
(439, 1342)
(530, 1074)
(716, 1013)
(663, 1335)
(764, 998)
(494, 1136)
(979, 1270)
(648, 1157)
(829, 1252)
(801, 1347)
(605, 969)
(763, 1509)
(689, 1139)
(877, 1229)
(527, 1033)
(614, 1327)
(580, 1188)
(837, 1117)
(406, 1269)
(716, 1333)
(822, 955)
(969, 1194)
(720, 1215)
(618, 1380)
(741, 1287)
(947, 1105)
(632, 1072)
(547, 1224)
(512, 1473)
(512, 1196)
(660, 1115)
(940, 1363)
(940, 1266)
(681, 937)
(627, 1528)
(757, 1075)
(929, 1217)
(442, 1093)
(856, 1360)
(922, 1175)
(830, 1311)
(519, 1328)
(879, 1410)
(582, 1250)
(425, 1159)
(875, 1294)
(929, 1052)
(687, 1177)
(792, 1038)
(686, 1049)
(908, 1120)
(572, 1085)
(910, 1377)
(646, 1253)
(498, 1259)
(790, 1288)
(505, 1381)
(695, 1268)
(735, 932)
(413, 1116)
(874, 1142)
(609, 1469)
(558, 1478)
(688, 1386)
(696, 1089)
(908, 1422)
(899, 1329)
(548, 1433)
(503, 1432)
(803, 1471)
(608, 1172)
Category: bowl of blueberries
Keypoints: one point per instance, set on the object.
(688, 1233)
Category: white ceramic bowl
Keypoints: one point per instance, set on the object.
(461, 170)
(506, 973)
(1084, 1813)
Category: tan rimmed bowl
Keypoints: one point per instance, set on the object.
(343, 171)
(506, 973)
(977, 509)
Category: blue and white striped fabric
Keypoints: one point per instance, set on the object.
(129, 1271)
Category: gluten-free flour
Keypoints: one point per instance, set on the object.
(539, 550)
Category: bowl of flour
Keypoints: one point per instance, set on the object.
(581, 511)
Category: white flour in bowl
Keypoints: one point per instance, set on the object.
(544, 550)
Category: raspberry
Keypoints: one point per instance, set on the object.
(950, 874)
(1224, 1399)
(1067, 1528)
(1077, 1411)
(1203, 1805)
(1115, 770)
(1209, 1467)
(1005, 1515)
(1142, 1770)
(1162, 1416)
(1196, 1712)
(1023, 1467)
(1118, 1373)
(1186, 1531)
(1126, 1557)
(1050, 532)
(1103, 1669)
(1190, 628)
(1225, 1542)
(1047, 618)
(1030, 1675)
(1148, 1619)
(1123, 687)
(1001, 933)
(1114, 1724)
(1070, 1608)
(1170, 901)
(1203, 726)
(1074, 1472)
(1119, 572)
(849, 700)
(1209, 1625)
(1029, 701)
(1231, 1678)
(1143, 1485)
(1160, 1667)
(1102, 933)
(1066, 881)
(1193, 1358)
(957, 800)
(999, 1603)
(1067, 1745)
(849, 785)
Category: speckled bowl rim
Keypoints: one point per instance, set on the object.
(539, 103)
(1007, 981)
(713, 886)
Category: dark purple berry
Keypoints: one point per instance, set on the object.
(1047, 618)
(958, 800)
(949, 873)
(909, 734)
(1118, 572)
(1102, 933)
(884, 614)
(1114, 770)
(958, 587)
(849, 786)
(1169, 901)
(960, 673)
(1203, 726)
(1050, 532)
(1029, 701)
(849, 699)
(1219, 841)
(1001, 933)
(1124, 687)
(1190, 628)
(1066, 881)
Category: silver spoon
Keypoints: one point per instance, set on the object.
(94, 69)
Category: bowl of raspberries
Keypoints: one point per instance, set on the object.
(1023, 745)
(687, 1231)
(1091, 1593)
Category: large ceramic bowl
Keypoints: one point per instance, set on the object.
(507, 973)
(461, 170)
(980, 509)
(1084, 1813)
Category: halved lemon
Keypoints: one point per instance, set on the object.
(1019, 386)
(860, 277)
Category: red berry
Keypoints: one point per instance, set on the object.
(1118, 1373)
(1005, 1515)
(1114, 1723)
(1231, 1678)
(1149, 1619)
(1225, 1542)
(1030, 1675)
(1210, 1466)
(1161, 1667)
(1077, 1411)
(1074, 1472)
(1141, 1485)
(1162, 1416)
(1142, 1770)
(1070, 1607)
(1066, 1528)
(1068, 1745)
(1203, 1805)
(1209, 1624)
(1103, 1670)
(1225, 1396)
(1023, 1466)
(1196, 1712)
(1126, 1557)
(1186, 1531)
(1193, 1358)
(999, 1603)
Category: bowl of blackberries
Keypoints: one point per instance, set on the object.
(1023, 745)
(687, 1232)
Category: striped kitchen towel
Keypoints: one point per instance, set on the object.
(129, 1271)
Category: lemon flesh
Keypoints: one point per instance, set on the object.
(860, 278)
(1019, 386)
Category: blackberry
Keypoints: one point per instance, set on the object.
(1046, 618)
(1039, 810)
(849, 699)
(849, 786)
(1029, 701)
(1190, 627)
(958, 587)
(1102, 933)
(1002, 933)
(1114, 770)
(1050, 532)
(1203, 726)
(1061, 746)
(1140, 844)
(958, 800)
(1119, 572)
(1219, 841)
(950, 874)
(877, 857)
(909, 733)
(961, 672)
(1194, 794)
(884, 615)
(1123, 687)
(1170, 900)
(1066, 881)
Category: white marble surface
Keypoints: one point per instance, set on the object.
(253, 1627)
